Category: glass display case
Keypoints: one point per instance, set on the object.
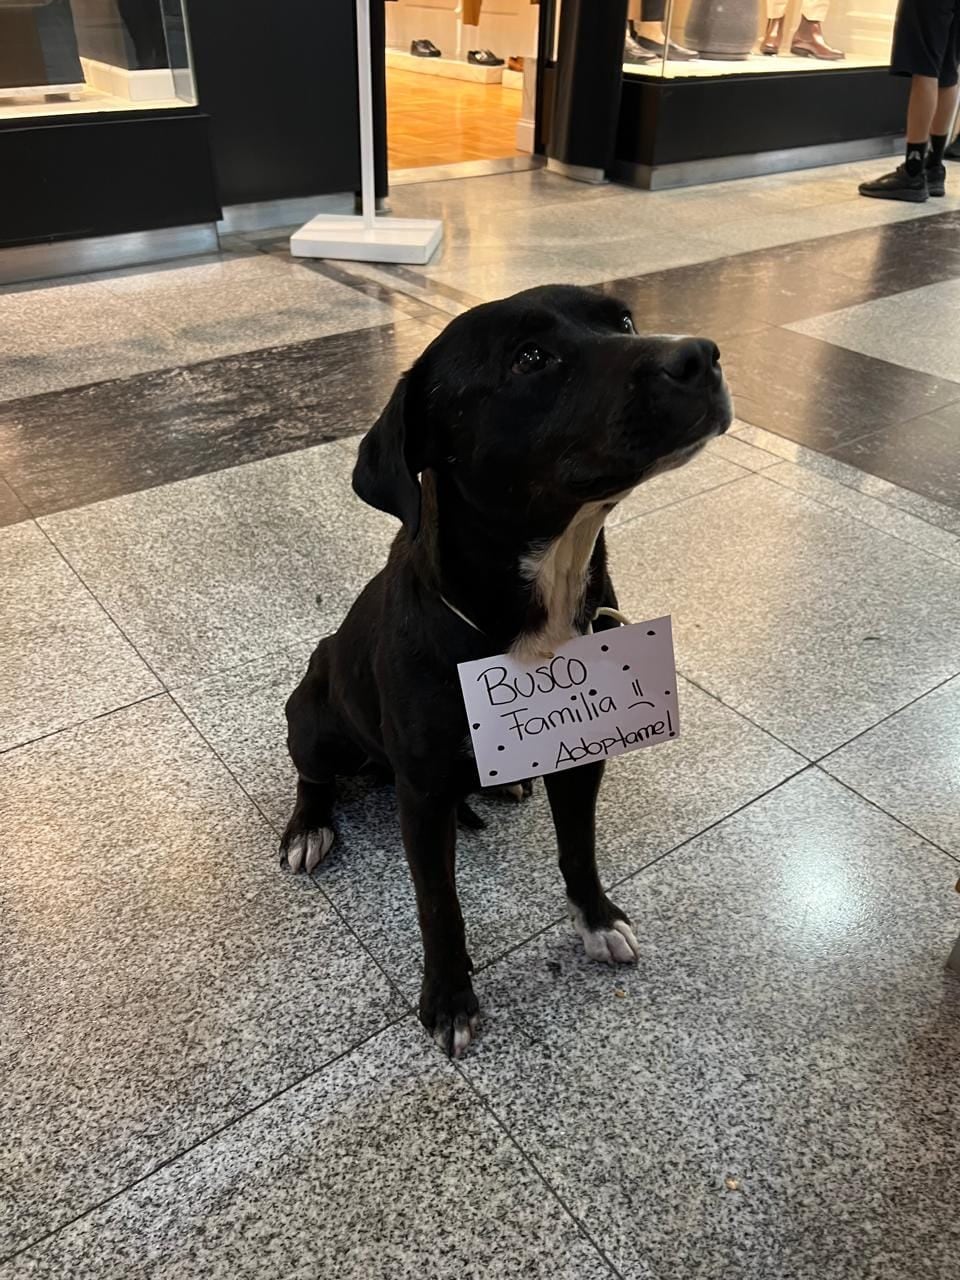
(684, 39)
(74, 57)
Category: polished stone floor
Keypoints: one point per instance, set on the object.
(212, 1069)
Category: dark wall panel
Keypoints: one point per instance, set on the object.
(105, 176)
(279, 84)
(669, 121)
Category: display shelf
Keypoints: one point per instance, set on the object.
(755, 64)
(452, 68)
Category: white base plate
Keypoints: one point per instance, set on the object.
(410, 240)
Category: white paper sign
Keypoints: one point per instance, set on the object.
(601, 695)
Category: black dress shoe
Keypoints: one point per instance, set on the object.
(484, 58)
(424, 49)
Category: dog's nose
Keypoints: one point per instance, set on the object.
(692, 362)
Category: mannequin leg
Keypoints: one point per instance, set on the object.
(773, 38)
(808, 41)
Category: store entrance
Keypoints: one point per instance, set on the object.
(461, 80)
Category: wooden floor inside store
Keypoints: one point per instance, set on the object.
(433, 120)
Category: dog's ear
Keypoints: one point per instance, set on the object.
(391, 458)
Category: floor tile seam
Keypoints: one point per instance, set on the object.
(355, 282)
(654, 860)
(615, 529)
(80, 723)
(742, 715)
(5, 404)
(205, 1138)
(866, 230)
(528, 1159)
(927, 840)
(874, 497)
(393, 985)
(861, 471)
(787, 327)
(912, 702)
(409, 275)
(31, 514)
(866, 523)
(153, 487)
(100, 604)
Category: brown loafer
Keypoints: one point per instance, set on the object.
(808, 42)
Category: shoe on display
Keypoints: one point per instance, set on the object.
(424, 49)
(808, 42)
(773, 37)
(675, 52)
(484, 58)
(936, 175)
(953, 151)
(635, 54)
(514, 64)
(898, 185)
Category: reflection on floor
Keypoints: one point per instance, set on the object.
(211, 1068)
(433, 120)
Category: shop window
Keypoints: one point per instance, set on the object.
(703, 38)
(66, 57)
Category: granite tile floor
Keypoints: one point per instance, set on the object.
(214, 1069)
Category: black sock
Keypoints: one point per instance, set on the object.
(914, 161)
(938, 142)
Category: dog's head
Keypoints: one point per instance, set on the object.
(539, 403)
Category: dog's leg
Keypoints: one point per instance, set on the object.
(604, 928)
(320, 752)
(448, 1006)
(309, 835)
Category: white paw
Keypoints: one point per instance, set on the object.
(616, 945)
(307, 851)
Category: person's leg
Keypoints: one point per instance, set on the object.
(939, 137)
(924, 39)
(920, 110)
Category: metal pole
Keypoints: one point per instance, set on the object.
(368, 195)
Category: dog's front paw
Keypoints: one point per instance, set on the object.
(451, 1016)
(305, 850)
(515, 791)
(609, 937)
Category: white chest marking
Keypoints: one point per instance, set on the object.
(559, 572)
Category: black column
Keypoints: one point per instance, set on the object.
(589, 76)
(378, 44)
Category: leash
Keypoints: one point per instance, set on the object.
(602, 612)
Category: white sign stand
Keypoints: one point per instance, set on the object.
(367, 238)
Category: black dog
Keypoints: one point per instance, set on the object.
(502, 451)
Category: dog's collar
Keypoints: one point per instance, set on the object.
(602, 612)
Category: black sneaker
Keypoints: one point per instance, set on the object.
(898, 185)
(953, 151)
(484, 58)
(936, 179)
(424, 49)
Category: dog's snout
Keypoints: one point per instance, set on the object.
(692, 362)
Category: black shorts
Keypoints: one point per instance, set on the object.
(926, 40)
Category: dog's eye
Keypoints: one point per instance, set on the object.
(531, 359)
(626, 323)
